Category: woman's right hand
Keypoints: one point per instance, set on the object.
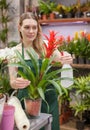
(19, 83)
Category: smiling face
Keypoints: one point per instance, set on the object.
(31, 32)
(28, 30)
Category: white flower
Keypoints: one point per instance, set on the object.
(4, 53)
(9, 54)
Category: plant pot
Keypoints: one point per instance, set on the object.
(86, 116)
(80, 124)
(44, 17)
(81, 60)
(33, 107)
(61, 119)
(52, 16)
(7, 122)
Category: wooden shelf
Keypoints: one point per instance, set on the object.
(42, 22)
(82, 66)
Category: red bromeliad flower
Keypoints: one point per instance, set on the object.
(52, 42)
(68, 39)
(61, 40)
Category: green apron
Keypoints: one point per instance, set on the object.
(51, 98)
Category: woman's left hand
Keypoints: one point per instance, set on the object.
(65, 58)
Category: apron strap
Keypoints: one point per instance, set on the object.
(22, 50)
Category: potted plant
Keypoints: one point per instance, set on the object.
(44, 10)
(64, 105)
(5, 87)
(40, 78)
(52, 7)
(5, 55)
(47, 8)
(81, 99)
(5, 18)
(79, 46)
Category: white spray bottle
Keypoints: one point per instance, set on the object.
(66, 75)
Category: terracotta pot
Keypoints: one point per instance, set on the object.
(44, 17)
(52, 16)
(61, 119)
(33, 107)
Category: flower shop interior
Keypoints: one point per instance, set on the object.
(69, 22)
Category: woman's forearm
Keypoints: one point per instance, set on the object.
(13, 76)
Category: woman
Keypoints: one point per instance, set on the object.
(31, 36)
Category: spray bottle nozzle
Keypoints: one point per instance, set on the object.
(62, 53)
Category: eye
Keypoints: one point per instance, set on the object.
(34, 27)
(26, 27)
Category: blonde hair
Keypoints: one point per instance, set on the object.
(38, 42)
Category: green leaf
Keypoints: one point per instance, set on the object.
(56, 85)
(34, 57)
(40, 90)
